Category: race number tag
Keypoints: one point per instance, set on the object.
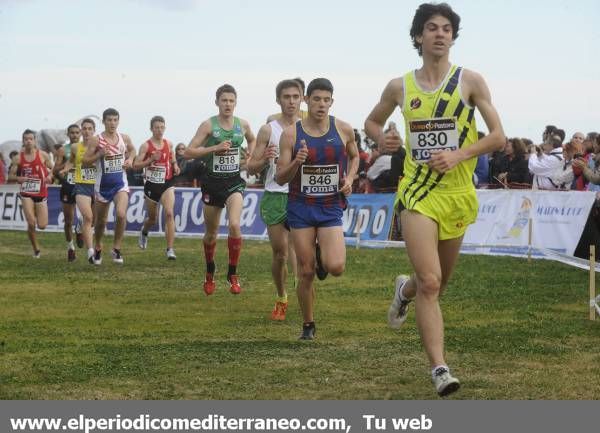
(88, 174)
(429, 135)
(71, 177)
(32, 186)
(227, 161)
(113, 163)
(320, 179)
(156, 174)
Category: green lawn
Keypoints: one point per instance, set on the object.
(145, 330)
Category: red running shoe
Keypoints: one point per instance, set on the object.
(235, 284)
(209, 284)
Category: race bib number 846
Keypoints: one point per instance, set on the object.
(432, 135)
(320, 179)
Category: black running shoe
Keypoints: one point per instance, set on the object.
(320, 270)
(308, 331)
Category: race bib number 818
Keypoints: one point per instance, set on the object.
(227, 161)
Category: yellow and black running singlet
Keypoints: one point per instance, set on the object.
(439, 120)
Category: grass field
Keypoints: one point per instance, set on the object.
(145, 330)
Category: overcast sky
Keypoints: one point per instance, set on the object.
(61, 60)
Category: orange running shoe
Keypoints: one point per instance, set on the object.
(209, 284)
(235, 284)
(278, 312)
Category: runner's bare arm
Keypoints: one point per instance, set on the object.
(352, 152)
(92, 153)
(478, 94)
(139, 162)
(48, 163)
(250, 138)
(392, 96)
(130, 151)
(60, 161)
(258, 159)
(71, 162)
(286, 166)
(197, 148)
(176, 169)
(12, 174)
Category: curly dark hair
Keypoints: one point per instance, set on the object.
(425, 12)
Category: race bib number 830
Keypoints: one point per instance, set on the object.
(427, 136)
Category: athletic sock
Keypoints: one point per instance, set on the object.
(434, 369)
(209, 255)
(235, 247)
(282, 299)
(70, 245)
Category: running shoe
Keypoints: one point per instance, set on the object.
(398, 310)
(116, 256)
(445, 384)
(98, 257)
(78, 235)
(234, 282)
(143, 241)
(171, 254)
(209, 284)
(71, 255)
(279, 311)
(308, 331)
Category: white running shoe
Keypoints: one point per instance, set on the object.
(143, 241)
(398, 310)
(445, 384)
(36, 254)
(116, 256)
(171, 254)
(97, 259)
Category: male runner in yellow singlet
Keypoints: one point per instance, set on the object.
(436, 198)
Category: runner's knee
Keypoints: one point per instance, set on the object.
(335, 269)
(429, 284)
(169, 214)
(306, 271)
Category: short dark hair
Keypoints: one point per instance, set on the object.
(561, 133)
(73, 125)
(286, 84)
(156, 119)
(13, 153)
(109, 112)
(225, 88)
(319, 84)
(90, 121)
(28, 132)
(424, 12)
(549, 129)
